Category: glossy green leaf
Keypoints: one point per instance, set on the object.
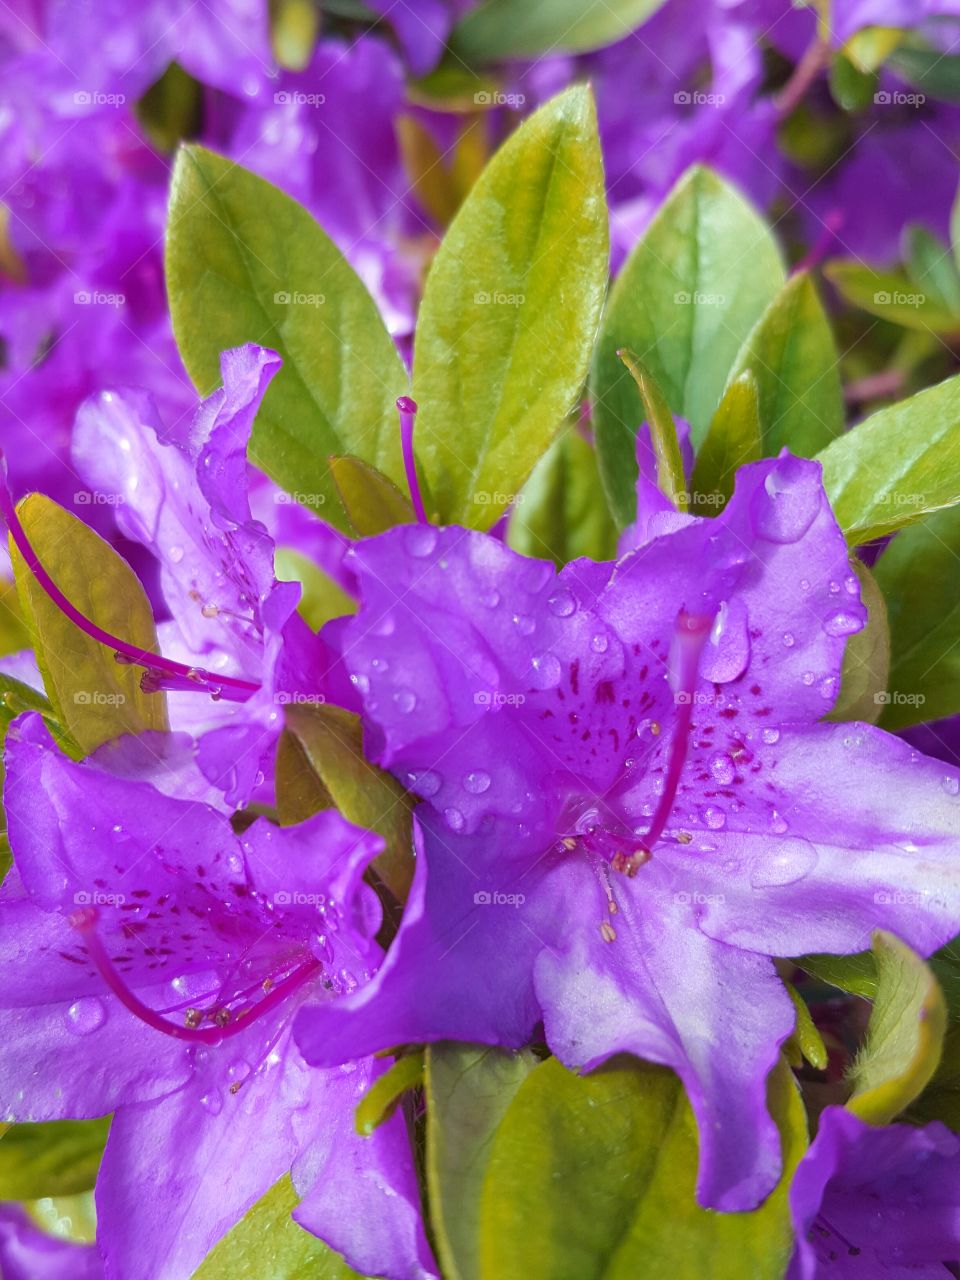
(919, 574)
(381, 1099)
(852, 88)
(332, 740)
(622, 1144)
(14, 632)
(869, 48)
(373, 503)
(688, 296)
(266, 1242)
(562, 512)
(892, 297)
(941, 1098)
(734, 438)
(294, 26)
(793, 356)
(904, 1039)
(93, 696)
(322, 598)
(521, 29)
(901, 462)
(663, 431)
(856, 974)
(510, 311)
(245, 263)
(930, 265)
(300, 793)
(469, 1090)
(865, 679)
(56, 1159)
(929, 69)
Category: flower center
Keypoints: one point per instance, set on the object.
(159, 672)
(226, 1021)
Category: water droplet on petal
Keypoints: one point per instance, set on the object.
(808, 677)
(599, 643)
(425, 782)
(951, 784)
(526, 626)
(778, 823)
(86, 1015)
(546, 671)
(384, 626)
(783, 863)
(360, 683)
(788, 502)
(419, 539)
(770, 736)
(723, 769)
(477, 782)
(788, 640)
(842, 624)
(714, 817)
(851, 585)
(827, 688)
(455, 819)
(175, 554)
(491, 598)
(212, 1102)
(405, 700)
(562, 603)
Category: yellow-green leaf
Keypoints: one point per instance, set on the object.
(373, 503)
(734, 438)
(866, 658)
(381, 1099)
(56, 1159)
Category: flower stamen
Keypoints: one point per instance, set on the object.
(407, 408)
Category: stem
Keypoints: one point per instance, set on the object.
(408, 416)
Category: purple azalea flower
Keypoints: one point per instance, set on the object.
(660, 718)
(27, 1253)
(154, 961)
(183, 493)
(423, 29)
(870, 1202)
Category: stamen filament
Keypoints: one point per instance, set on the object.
(159, 672)
(85, 923)
(408, 413)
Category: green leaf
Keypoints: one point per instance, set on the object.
(892, 297)
(869, 48)
(919, 574)
(866, 658)
(300, 793)
(14, 632)
(733, 439)
(794, 358)
(332, 741)
(245, 263)
(902, 462)
(806, 1039)
(663, 432)
(510, 311)
(267, 1242)
(56, 1159)
(856, 974)
(468, 1092)
(93, 696)
(562, 512)
(688, 296)
(373, 503)
(294, 25)
(931, 267)
(519, 29)
(930, 69)
(851, 87)
(905, 1035)
(381, 1099)
(941, 1098)
(622, 1144)
(322, 598)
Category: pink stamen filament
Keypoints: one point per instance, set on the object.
(159, 672)
(408, 414)
(85, 924)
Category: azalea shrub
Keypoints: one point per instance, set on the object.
(478, 689)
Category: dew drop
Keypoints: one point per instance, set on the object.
(405, 700)
(808, 677)
(425, 782)
(477, 782)
(360, 683)
(851, 585)
(770, 736)
(455, 819)
(380, 664)
(842, 624)
(212, 1102)
(176, 554)
(714, 817)
(526, 626)
(828, 688)
(562, 603)
(491, 598)
(599, 643)
(420, 540)
(384, 626)
(546, 671)
(951, 784)
(783, 863)
(778, 823)
(723, 769)
(86, 1015)
(788, 640)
